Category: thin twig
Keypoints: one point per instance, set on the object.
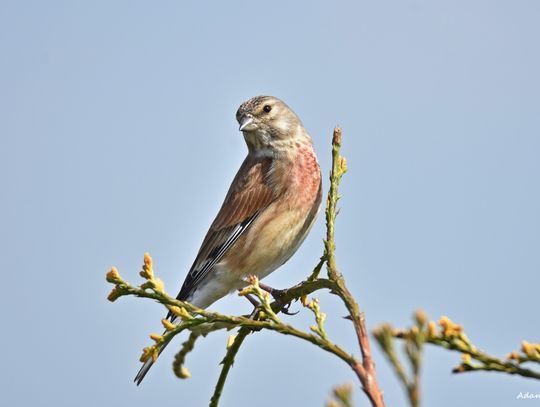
(227, 363)
(338, 169)
(206, 320)
(179, 369)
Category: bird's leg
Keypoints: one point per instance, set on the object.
(256, 304)
(278, 295)
(253, 300)
(274, 292)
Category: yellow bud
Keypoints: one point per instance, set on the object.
(525, 346)
(156, 337)
(175, 310)
(314, 305)
(343, 164)
(343, 392)
(113, 276)
(304, 300)
(432, 329)
(183, 373)
(230, 341)
(186, 315)
(114, 294)
(529, 349)
(449, 329)
(158, 285)
(444, 322)
(466, 358)
(168, 325)
(245, 291)
(420, 316)
(147, 260)
(147, 271)
(147, 354)
(513, 355)
(180, 312)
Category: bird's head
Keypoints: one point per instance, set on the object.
(266, 120)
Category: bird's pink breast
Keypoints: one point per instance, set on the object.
(304, 176)
(283, 225)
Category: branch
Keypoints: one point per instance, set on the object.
(228, 360)
(414, 342)
(366, 370)
(450, 336)
(339, 167)
(201, 322)
(179, 369)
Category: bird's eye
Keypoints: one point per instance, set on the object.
(267, 108)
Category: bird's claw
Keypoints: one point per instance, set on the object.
(285, 310)
(276, 294)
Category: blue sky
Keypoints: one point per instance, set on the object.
(118, 137)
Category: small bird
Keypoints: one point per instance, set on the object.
(268, 211)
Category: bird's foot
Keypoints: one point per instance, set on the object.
(256, 304)
(278, 297)
(274, 292)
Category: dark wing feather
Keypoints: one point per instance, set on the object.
(248, 195)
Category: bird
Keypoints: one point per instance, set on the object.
(268, 211)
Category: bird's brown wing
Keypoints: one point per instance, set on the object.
(248, 195)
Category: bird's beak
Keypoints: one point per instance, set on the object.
(247, 123)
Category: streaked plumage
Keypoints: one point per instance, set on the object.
(268, 211)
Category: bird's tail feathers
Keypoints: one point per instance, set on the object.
(146, 367)
(143, 371)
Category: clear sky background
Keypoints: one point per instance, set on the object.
(118, 137)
